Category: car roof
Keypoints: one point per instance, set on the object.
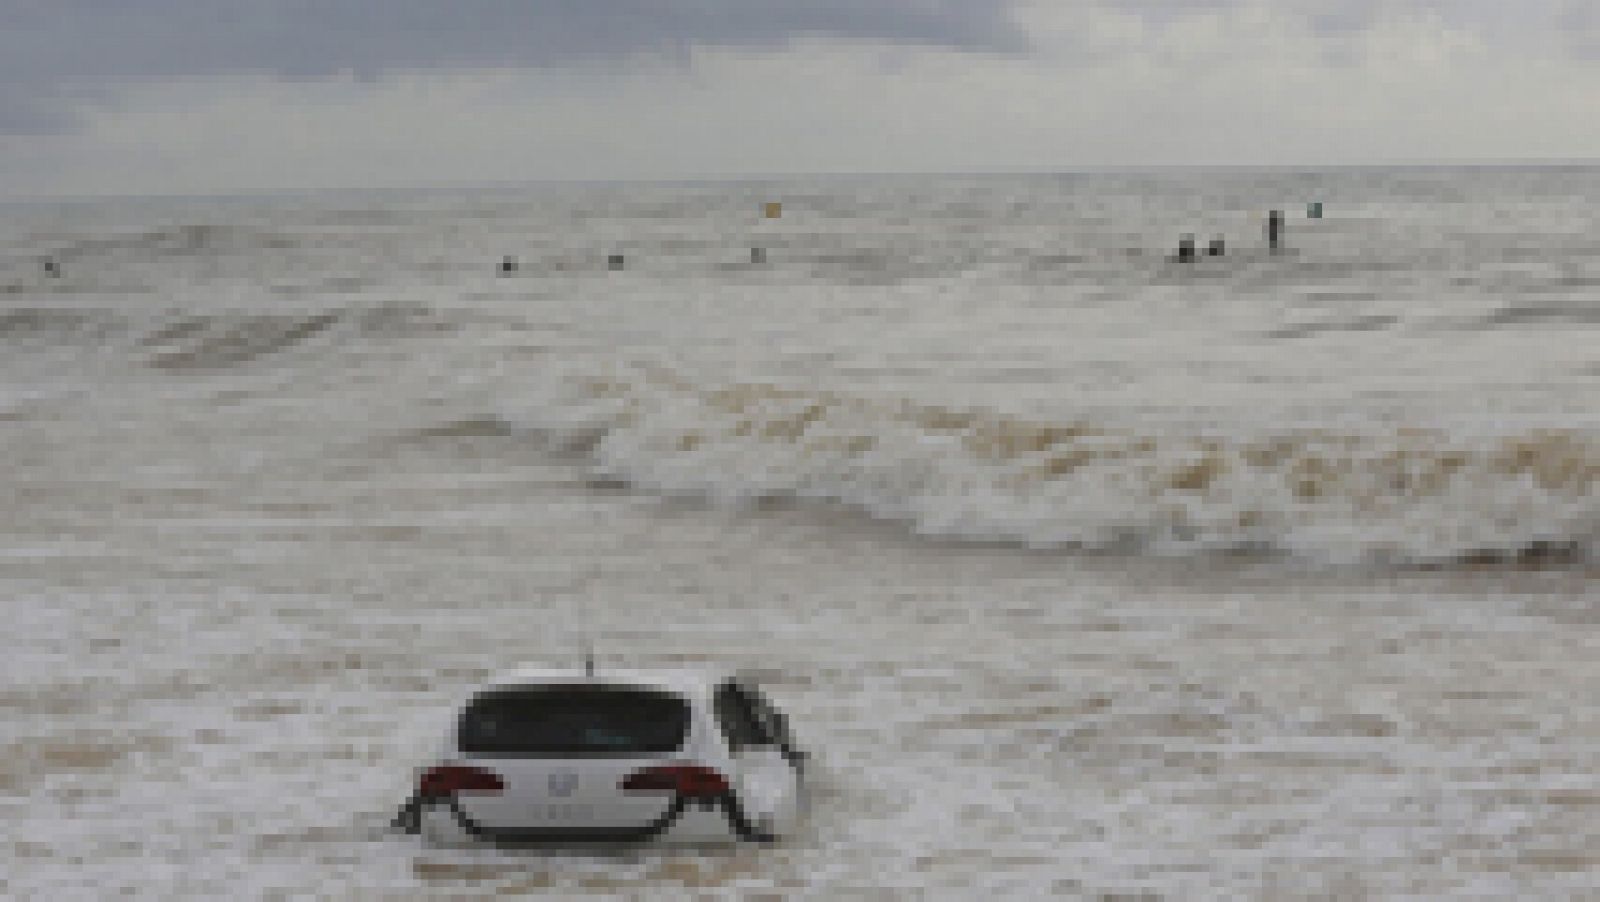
(686, 681)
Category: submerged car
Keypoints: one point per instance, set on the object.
(547, 756)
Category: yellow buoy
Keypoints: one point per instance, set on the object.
(773, 209)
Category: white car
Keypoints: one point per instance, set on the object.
(551, 756)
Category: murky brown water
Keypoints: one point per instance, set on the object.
(262, 526)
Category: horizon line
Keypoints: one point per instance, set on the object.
(975, 172)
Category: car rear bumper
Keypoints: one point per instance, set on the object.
(721, 820)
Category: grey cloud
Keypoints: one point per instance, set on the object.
(1580, 23)
(1532, 27)
(48, 45)
(53, 52)
(24, 113)
(1336, 17)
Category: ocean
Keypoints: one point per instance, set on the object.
(1081, 568)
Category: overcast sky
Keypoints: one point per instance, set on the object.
(226, 96)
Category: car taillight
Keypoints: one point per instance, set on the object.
(688, 780)
(452, 778)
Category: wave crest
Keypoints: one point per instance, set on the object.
(1417, 495)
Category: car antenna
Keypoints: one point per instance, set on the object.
(581, 615)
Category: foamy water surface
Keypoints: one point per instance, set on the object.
(1083, 570)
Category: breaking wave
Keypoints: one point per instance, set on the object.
(1400, 496)
(214, 341)
(200, 341)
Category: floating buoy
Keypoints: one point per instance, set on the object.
(772, 209)
(614, 262)
(508, 264)
(51, 267)
(758, 255)
(1186, 248)
(1216, 247)
(1314, 210)
(1275, 229)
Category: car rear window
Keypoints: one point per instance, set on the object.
(574, 721)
